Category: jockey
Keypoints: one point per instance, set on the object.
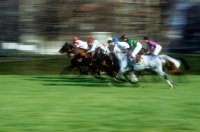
(112, 56)
(134, 49)
(79, 43)
(123, 48)
(93, 45)
(154, 48)
(110, 45)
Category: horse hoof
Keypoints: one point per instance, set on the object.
(172, 87)
(99, 77)
(133, 82)
(118, 79)
(110, 84)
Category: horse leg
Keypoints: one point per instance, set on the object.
(178, 73)
(133, 77)
(80, 70)
(164, 75)
(124, 67)
(63, 71)
(118, 78)
(108, 67)
(96, 71)
(140, 75)
(65, 68)
(126, 77)
(108, 70)
(98, 74)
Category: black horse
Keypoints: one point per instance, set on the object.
(105, 62)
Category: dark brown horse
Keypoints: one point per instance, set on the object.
(79, 58)
(104, 61)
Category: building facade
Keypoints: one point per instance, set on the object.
(50, 23)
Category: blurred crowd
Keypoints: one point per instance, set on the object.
(45, 25)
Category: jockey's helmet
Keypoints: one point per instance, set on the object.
(75, 38)
(109, 41)
(109, 38)
(115, 39)
(89, 41)
(123, 36)
(146, 38)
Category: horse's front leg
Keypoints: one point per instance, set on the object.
(108, 68)
(80, 70)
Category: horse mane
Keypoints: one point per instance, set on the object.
(79, 52)
(70, 45)
(73, 46)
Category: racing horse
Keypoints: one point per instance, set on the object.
(103, 60)
(79, 58)
(170, 64)
(151, 62)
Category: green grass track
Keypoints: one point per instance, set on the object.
(52, 103)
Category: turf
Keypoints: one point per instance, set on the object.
(70, 103)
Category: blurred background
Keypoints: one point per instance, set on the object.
(42, 26)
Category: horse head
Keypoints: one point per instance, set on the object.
(63, 48)
(69, 49)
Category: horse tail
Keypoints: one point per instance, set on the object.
(173, 60)
(184, 62)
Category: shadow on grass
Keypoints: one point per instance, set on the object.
(86, 81)
(66, 79)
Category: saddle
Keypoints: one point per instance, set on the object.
(138, 58)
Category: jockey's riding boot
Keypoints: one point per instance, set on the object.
(134, 61)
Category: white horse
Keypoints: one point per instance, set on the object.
(151, 62)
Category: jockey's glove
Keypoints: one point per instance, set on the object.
(124, 51)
